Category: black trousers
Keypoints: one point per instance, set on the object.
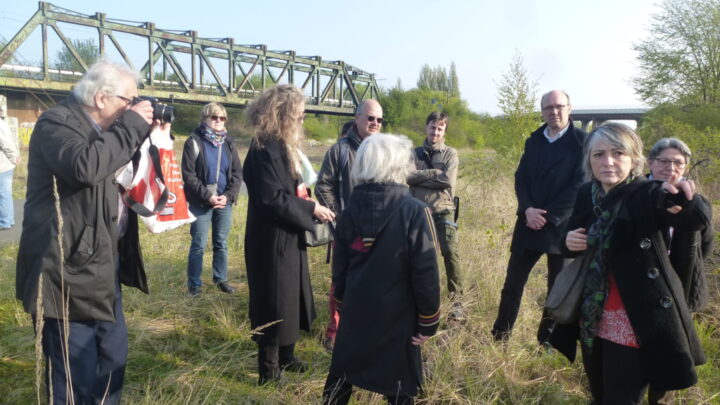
(97, 356)
(615, 373)
(518, 271)
(337, 391)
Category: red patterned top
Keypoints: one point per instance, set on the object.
(614, 324)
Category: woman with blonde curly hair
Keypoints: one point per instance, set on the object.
(277, 175)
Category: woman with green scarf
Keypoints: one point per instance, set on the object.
(635, 328)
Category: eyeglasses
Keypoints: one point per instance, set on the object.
(667, 162)
(558, 107)
(218, 118)
(379, 120)
(125, 99)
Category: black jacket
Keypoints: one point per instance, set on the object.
(193, 171)
(547, 177)
(64, 146)
(649, 287)
(334, 185)
(389, 289)
(275, 253)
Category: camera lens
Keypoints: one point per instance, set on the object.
(164, 112)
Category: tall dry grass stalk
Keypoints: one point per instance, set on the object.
(64, 308)
(39, 324)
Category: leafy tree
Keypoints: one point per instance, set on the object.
(454, 82)
(406, 111)
(517, 96)
(680, 60)
(516, 93)
(435, 79)
(86, 48)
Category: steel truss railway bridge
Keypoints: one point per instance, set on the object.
(180, 66)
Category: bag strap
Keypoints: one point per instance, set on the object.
(196, 148)
(344, 159)
(137, 206)
(219, 160)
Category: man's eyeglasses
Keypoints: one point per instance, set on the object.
(667, 162)
(127, 101)
(218, 118)
(379, 120)
(558, 107)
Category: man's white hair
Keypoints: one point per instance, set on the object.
(383, 158)
(104, 76)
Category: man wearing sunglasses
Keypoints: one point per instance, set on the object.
(546, 182)
(334, 185)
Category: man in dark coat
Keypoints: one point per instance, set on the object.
(77, 246)
(546, 182)
(334, 184)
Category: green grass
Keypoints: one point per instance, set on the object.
(199, 351)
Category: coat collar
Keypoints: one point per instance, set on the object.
(353, 137)
(573, 139)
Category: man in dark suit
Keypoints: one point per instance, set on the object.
(546, 182)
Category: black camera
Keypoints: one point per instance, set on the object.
(162, 112)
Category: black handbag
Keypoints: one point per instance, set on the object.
(564, 299)
(321, 234)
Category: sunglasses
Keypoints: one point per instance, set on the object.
(218, 118)
(373, 119)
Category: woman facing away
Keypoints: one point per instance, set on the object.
(386, 278)
(635, 328)
(279, 212)
(212, 174)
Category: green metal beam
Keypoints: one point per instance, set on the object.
(340, 78)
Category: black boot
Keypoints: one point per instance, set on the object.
(268, 366)
(289, 362)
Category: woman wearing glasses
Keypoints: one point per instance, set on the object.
(212, 174)
(279, 212)
(671, 157)
(635, 328)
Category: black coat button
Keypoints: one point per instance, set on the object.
(666, 302)
(645, 244)
(653, 273)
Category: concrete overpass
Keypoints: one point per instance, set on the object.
(596, 116)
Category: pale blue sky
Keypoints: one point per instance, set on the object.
(581, 46)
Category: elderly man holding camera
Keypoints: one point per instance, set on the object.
(78, 242)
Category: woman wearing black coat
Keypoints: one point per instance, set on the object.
(281, 301)
(635, 328)
(386, 278)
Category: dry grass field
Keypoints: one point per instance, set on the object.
(199, 351)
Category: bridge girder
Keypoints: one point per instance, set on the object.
(332, 87)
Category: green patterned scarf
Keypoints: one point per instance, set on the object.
(596, 282)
